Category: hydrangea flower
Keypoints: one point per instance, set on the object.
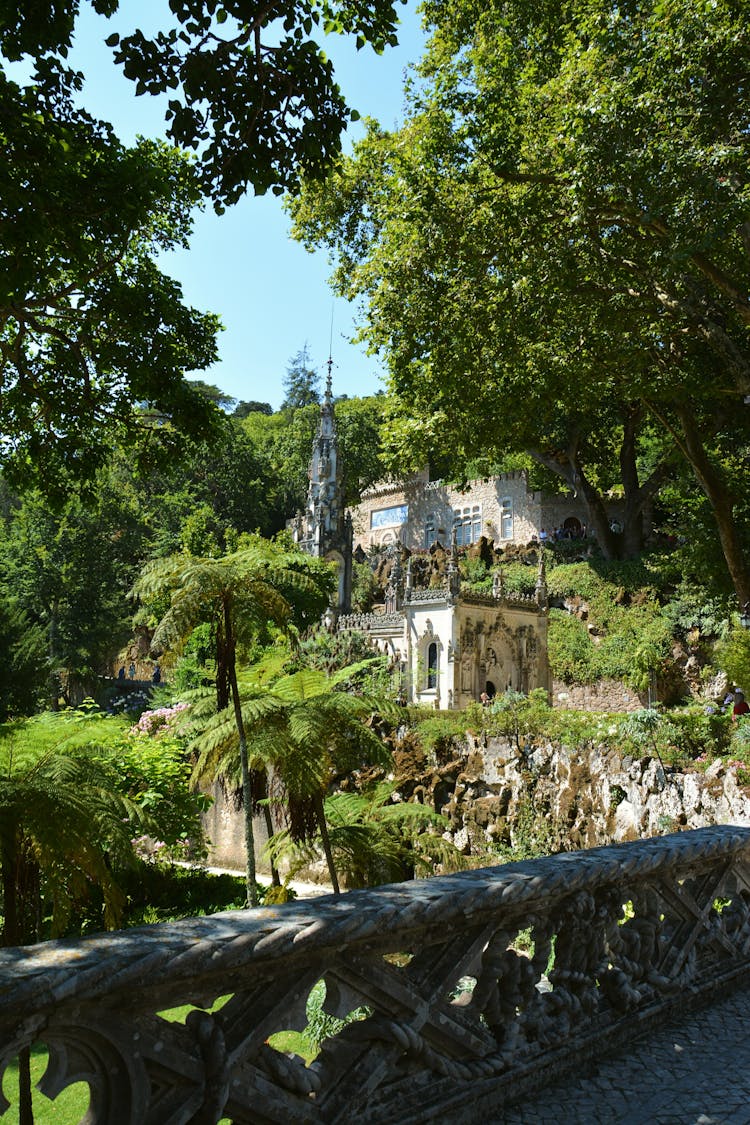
(151, 722)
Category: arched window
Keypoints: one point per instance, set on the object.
(432, 665)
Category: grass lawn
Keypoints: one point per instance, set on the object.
(67, 1109)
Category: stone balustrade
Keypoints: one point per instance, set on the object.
(475, 987)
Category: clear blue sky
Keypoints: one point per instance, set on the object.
(271, 295)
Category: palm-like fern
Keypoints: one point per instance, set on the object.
(63, 820)
(63, 825)
(238, 595)
(303, 730)
(374, 840)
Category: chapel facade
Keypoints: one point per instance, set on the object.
(450, 647)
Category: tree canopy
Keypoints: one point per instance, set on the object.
(555, 245)
(301, 382)
(249, 86)
(94, 339)
(90, 329)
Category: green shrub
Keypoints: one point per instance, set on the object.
(163, 893)
(439, 732)
(519, 579)
(692, 608)
(733, 656)
(701, 730)
(518, 716)
(534, 834)
(574, 580)
(476, 575)
(364, 587)
(739, 746)
(572, 657)
(634, 644)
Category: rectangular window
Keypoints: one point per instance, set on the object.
(430, 535)
(468, 524)
(432, 666)
(506, 518)
(389, 517)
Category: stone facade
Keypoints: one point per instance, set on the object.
(418, 512)
(451, 648)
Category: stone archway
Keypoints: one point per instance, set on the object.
(572, 527)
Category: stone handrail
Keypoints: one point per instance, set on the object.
(478, 986)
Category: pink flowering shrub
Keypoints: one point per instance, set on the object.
(147, 848)
(151, 722)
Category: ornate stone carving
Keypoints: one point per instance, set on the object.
(457, 1017)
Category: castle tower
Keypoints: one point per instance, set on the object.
(324, 529)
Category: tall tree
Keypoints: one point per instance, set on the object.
(301, 382)
(82, 608)
(24, 667)
(560, 231)
(243, 408)
(90, 329)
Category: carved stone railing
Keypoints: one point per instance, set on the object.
(370, 622)
(427, 594)
(461, 1018)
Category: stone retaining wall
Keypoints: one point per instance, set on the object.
(604, 695)
(562, 797)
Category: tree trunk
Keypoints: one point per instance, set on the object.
(638, 496)
(326, 841)
(720, 500)
(276, 881)
(629, 542)
(11, 929)
(247, 795)
(610, 542)
(571, 472)
(12, 936)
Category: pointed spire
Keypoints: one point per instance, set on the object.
(328, 398)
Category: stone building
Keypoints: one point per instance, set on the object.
(418, 512)
(448, 648)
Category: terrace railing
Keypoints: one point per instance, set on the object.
(471, 988)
